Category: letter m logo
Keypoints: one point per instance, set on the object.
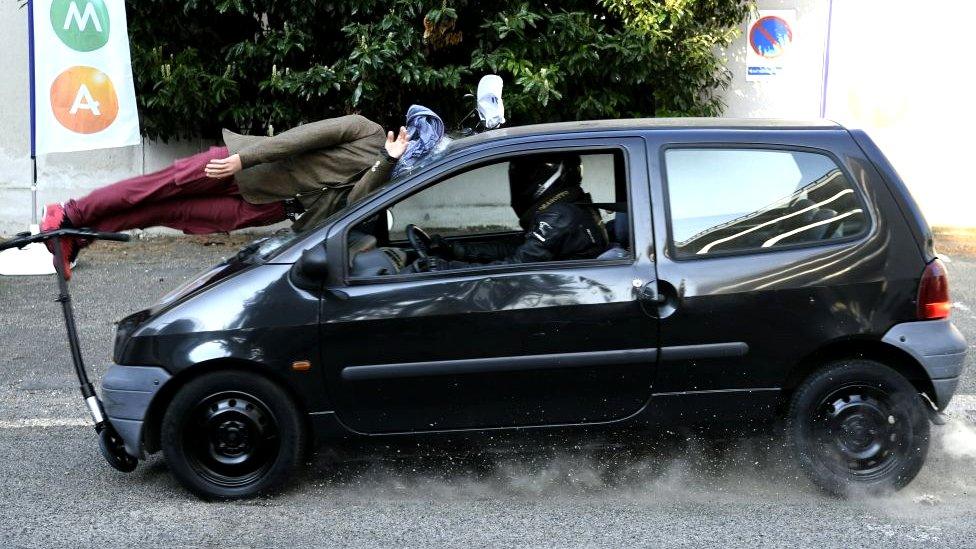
(82, 19)
(83, 25)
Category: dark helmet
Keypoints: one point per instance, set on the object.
(533, 178)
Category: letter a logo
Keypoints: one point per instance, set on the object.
(83, 100)
(83, 25)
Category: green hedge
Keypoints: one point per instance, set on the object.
(265, 65)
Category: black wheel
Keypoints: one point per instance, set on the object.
(858, 426)
(232, 434)
(113, 450)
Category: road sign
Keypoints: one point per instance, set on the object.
(770, 39)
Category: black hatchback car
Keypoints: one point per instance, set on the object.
(757, 270)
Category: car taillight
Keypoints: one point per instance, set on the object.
(933, 292)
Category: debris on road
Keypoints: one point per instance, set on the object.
(927, 499)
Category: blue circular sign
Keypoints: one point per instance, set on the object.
(770, 36)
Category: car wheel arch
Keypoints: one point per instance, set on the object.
(157, 408)
(861, 348)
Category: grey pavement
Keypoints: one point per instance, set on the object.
(56, 491)
(962, 290)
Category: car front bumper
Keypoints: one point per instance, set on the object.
(127, 392)
(939, 347)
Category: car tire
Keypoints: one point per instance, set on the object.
(232, 435)
(858, 427)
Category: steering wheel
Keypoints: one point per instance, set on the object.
(419, 240)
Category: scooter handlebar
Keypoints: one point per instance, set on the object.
(23, 239)
(96, 235)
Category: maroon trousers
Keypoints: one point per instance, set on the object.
(180, 196)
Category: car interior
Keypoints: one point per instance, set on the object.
(473, 205)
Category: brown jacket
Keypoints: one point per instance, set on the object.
(325, 165)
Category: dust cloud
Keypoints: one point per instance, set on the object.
(959, 439)
(686, 468)
(678, 469)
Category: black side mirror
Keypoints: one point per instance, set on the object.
(312, 269)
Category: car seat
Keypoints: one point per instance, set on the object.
(618, 229)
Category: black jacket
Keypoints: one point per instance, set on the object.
(559, 227)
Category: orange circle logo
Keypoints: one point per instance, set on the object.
(84, 100)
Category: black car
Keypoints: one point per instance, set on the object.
(753, 270)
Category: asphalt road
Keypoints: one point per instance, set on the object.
(55, 489)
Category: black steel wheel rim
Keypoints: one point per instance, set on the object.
(860, 432)
(231, 439)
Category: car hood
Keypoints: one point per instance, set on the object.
(255, 253)
(204, 279)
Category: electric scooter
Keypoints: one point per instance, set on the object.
(109, 440)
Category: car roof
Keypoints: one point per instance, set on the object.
(561, 128)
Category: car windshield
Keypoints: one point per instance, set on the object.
(262, 248)
(439, 151)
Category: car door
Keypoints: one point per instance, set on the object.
(495, 346)
(765, 240)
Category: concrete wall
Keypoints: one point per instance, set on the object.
(62, 175)
(910, 88)
(477, 199)
(910, 94)
(15, 167)
(796, 95)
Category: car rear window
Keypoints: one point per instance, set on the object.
(742, 200)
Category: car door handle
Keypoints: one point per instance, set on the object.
(648, 293)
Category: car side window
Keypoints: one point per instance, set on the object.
(478, 201)
(468, 203)
(486, 214)
(741, 200)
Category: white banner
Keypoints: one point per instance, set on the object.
(770, 37)
(83, 92)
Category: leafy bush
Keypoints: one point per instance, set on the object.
(261, 65)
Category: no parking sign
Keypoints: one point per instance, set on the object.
(769, 38)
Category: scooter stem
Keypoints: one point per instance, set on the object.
(64, 298)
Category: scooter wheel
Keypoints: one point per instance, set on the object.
(113, 449)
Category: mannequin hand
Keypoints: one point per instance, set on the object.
(395, 147)
(223, 167)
